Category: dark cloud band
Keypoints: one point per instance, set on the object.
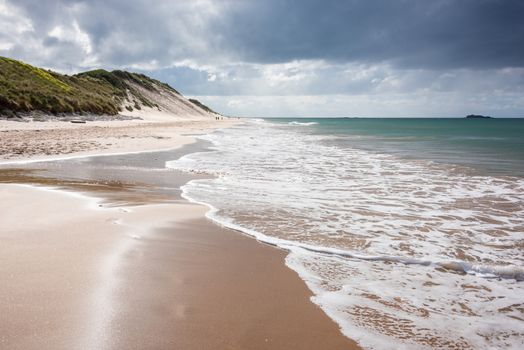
(409, 33)
(405, 33)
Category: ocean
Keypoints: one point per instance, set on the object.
(409, 232)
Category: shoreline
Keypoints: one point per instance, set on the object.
(86, 155)
(180, 233)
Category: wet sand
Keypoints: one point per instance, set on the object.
(196, 286)
(143, 275)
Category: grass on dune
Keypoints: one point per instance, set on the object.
(24, 88)
(201, 105)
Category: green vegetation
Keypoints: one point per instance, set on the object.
(201, 105)
(24, 88)
(122, 82)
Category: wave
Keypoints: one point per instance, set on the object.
(373, 235)
(302, 123)
(481, 270)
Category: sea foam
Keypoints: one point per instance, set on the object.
(302, 123)
(397, 251)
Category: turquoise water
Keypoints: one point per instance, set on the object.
(492, 146)
(380, 222)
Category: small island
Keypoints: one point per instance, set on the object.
(478, 116)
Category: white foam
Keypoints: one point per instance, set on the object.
(359, 224)
(302, 123)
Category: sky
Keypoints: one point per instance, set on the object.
(284, 58)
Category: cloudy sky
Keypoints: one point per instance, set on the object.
(291, 58)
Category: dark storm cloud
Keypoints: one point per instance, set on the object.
(412, 33)
(405, 33)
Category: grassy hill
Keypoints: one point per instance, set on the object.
(25, 88)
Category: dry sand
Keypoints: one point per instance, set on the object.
(75, 275)
(47, 140)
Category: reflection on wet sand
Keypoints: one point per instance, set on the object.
(129, 179)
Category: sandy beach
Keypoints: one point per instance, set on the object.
(35, 141)
(81, 273)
